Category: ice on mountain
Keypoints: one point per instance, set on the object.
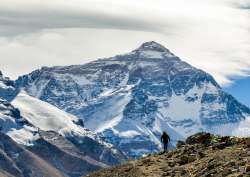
(151, 54)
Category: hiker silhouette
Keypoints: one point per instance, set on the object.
(165, 140)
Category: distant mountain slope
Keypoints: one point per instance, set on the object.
(49, 136)
(17, 161)
(65, 153)
(46, 117)
(13, 125)
(130, 99)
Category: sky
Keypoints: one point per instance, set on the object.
(213, 35)
(241, 90)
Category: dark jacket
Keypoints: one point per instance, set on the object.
(165, 138)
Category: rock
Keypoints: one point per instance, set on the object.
(211, 165)
(247, 168)
(183, 172)
(230, 164)
(219, 145)
(183, 160)
(248, 142)
(171, 163)
(180, 144)
(226, 171)
(225, 139)
(191, 158)
(199, 138)
(201, 154)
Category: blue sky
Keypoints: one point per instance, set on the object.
(240, 89)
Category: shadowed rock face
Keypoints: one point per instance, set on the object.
(130, 99)
(51, 155)
(19, 162)
(64, 156)
(7, 88)
(202, 154)
(45, 158)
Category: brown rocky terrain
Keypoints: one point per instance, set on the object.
(202, 154)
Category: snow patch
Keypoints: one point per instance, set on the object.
(111, 123)
(151, 54)
(3, 86)
(48, 117)
(25, 135)
(243, 129)
(113, 109)
(42, 114)
(129, 134)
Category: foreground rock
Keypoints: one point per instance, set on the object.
(201, 155)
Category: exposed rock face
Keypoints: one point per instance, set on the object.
(130, 99)
(202, 155)
(17, 161)
(51, 155)
(64, 156)
(7, 88)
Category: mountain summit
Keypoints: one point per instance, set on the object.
(130, 99)
(153, 50)
(152, 45)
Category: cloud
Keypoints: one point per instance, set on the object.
(212, 35)
(30, 16)
(244, 4)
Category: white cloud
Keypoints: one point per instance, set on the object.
(212, 35)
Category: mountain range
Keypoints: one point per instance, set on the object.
(54, 142)
(111, 109)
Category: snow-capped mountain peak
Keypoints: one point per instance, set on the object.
(153, 49)
(152, 45)
(130, 99)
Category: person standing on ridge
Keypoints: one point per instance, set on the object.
(165, 139)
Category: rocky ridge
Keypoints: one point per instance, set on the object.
(202, 155)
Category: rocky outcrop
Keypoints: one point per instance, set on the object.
(202, 155)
